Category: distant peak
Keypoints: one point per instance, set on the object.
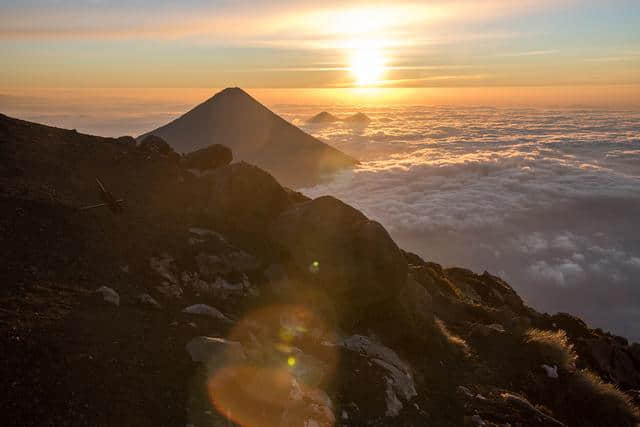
(235, 91)
(323, 117)
(358, 118)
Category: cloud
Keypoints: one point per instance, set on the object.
(549, 197)
(264, 21)
(560, 274)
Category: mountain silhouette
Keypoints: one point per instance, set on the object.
(256, 135)
(323, 117)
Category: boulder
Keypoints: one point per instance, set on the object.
(397, 377)
(243, 196)
(147, 301)
(211, 157)
(341, 251)
(206, 310)
(155, 145)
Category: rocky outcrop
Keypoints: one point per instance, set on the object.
(211, 157)
(341, 251)
(244, 196)
(155, 145)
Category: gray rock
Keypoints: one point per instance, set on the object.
(211, 157)
(400, 385)
(148, 301)
(109, 295)
(206, 310)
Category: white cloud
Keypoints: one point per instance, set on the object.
(549, 197)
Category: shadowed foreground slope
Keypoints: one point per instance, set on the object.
(221, 295)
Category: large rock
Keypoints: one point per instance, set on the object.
(243, 196)
(341, 251)
(155, 145)
(397, 382)
(211, 157)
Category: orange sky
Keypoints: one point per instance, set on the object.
(472, 51)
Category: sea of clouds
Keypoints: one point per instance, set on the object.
(548, 199)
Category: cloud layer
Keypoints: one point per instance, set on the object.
(548, 199)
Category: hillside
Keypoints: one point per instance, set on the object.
(256, 135)
(223, 295)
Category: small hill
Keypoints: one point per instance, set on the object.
(323, 117)
(357, 118)
(256, 135)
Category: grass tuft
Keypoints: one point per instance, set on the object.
(552, 347)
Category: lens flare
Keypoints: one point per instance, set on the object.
(278, 381)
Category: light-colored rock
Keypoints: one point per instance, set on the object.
(206, 310)
(109, 295)
(552, 371)
(394, 406)
(205, 232)
(214, 351)
(400, 385)
(482, 330)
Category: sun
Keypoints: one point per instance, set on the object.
(367, 65)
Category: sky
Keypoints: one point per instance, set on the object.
(330, 44)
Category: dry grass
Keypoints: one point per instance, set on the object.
(596, 403)
(552, 347)
(457, 345)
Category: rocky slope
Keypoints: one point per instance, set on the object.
(218, 297)
(256, 135)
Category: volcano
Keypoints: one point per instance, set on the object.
(256, 135)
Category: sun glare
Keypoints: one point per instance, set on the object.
(367, 65)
